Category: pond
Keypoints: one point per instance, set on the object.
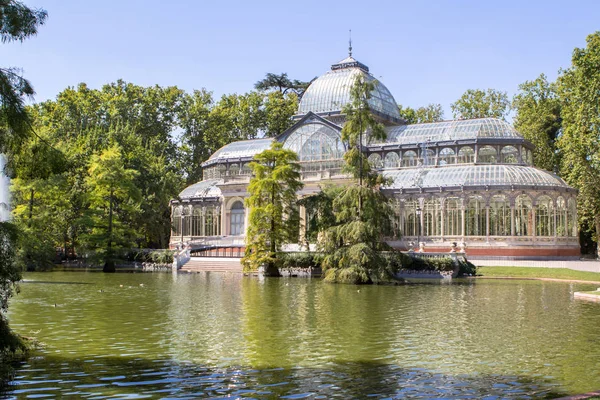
(217, 335)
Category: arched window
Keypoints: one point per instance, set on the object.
(475, 215)
(221, 171)
(544, 216)
(209, 217)
(409, 159)
(466, 155)
(234, 170)
(392, 160)
(561, 216)
(447, 156)
(186, 219)
(571, 217)
(246, 171)
(452, 217)
(487, 155)
(523, 216)
(510, 155)
(410, 218)
(315, 142)
(176, 222)
(499, 216)
(431, 217)
(375, 161)
(237, 219)
(197, 222)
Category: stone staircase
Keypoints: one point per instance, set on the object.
(212, 264)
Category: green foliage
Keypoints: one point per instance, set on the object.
(114, 202)
(421, 115)
(302, 260)
(274, 218)
(538, 119)
(282, 84)
(579, 142)
(476, 103)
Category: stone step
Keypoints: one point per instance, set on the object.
(211, 264)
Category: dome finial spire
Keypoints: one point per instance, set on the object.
(350, 44)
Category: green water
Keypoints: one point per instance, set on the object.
(216, 335)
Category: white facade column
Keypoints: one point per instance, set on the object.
(512, 220)
(224, 230)
(487, 223)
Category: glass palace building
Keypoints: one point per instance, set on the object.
(461, 183)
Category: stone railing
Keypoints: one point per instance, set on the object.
(181, 258)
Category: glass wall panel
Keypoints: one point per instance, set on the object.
(392, 160)
(409, 159)
(246, 171)
(544, 217)
(432, 214)
(234, 169)
(428, 157)
(315, 142)
(375, 161)
(410, 219)
(523, 216)
(561, 216)
(499, 216)
(487, 155)
(571, 215)
(476, 217)
(176, 222)
(447, 156)
(510, 155)
(466, 155)
(209, 217)
(197, 221)
(452, 217)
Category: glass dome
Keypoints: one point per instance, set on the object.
(473, 175)
(451, 130)
(203, 189)
(331, 91)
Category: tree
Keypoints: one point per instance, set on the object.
(17, 23)
(580, 140)
(282, 84)
(272, 203)
(421, 115)
(353, 245)
(538, 119)
(279, 109)
(114, 201)
(476, 103)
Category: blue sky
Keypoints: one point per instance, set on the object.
(424, 52)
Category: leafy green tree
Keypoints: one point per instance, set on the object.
(17, 23)
(538, 119)
(421, 115)
(279, 109)
(579, 142)
(114, 201)
(282, 84)
(273, 211)
(9, 276)
(476, 103)
(353, 245)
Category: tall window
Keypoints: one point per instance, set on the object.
(410, 218)
(544, 217)
(487, 155)
(523, 216)
(466, 155)
(561, 216)
(476, 217)
(571, 215)
(176, 223)
(237, 219)
(392, 160)
(197, 222)
(499, 216)
(452, 217)
(431, 218)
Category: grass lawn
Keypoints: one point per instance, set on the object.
(529, 272)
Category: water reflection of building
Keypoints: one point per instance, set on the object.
(462, 181)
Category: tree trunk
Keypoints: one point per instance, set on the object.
(109, 265)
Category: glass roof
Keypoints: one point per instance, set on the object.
(472, 175)
(451, 130)
(207, 188)
(243, 148)
(330, 92)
